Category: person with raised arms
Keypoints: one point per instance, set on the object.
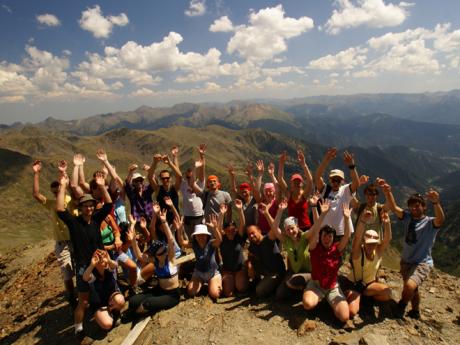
(420, 233)
(234, 275)
(244, 193)
(299, 191)
(326, 259)
(204, 247)
(366, 257)
(295, 243)
(85, 236)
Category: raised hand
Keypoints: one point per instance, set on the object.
(78, 159)
(130, 235)
(249, 169)
(432, 195)
(202, 150)
(100, 179)
(156, 208)
(223, 208)
(260, 167)
(262, 207)
(143, 223)
(157, 157)
(101, 155)
(95, 258)
(132, 167)
(384, 216)
(283, 204)
(174, 151)
(324, 205)
(331, 153)
(62, 166)
(163, 215)
(238, 204)
(386, 188)
(346, 210)
(380, 181)
(283, 157)
(213, 221)
(231, 170)
(348, 158)
(271, 168)
(313, 200)
(145, 167)
(300, 156)
(63, 180)
(132, 220)
(363, 179)
(178, 222)
(37, 166)
(166, 160)
(168, 201)
(198, 164)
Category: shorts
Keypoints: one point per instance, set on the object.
(63, 252)
(82, 286)
(204, 277)
(121, 257)
(416, 272)
(333, 296)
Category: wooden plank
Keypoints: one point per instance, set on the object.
(135, 332)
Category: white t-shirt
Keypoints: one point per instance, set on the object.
(192, 205)
(334, 218)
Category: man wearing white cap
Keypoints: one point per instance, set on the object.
(336, 191)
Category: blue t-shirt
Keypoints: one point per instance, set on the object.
(419, 237)
(205, 257)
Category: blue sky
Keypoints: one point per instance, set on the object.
(73, 59)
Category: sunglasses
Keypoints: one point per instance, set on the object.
(336, 180)
(372, 194)
(372, 237)
(165, 178)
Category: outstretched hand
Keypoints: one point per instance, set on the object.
(260, 167)
(132, 167)
(62, 166)
(271, 168)
(432, 195)
(99, 178)
(174, 151)
(101, 155)
(37, 166)
(223, 208)
(331, 153)
(202, 150)
(363, 179)
(348, 158)
(346, 210)
(300, 156)
(324, 205)
(238, 204)
(78, 159)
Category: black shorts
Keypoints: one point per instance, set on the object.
(82, 286)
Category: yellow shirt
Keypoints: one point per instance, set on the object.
(368, 272)
(60, 230)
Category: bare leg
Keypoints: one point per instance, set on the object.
(193, 287)
(241, 281)
(215, 286)
(228, 284)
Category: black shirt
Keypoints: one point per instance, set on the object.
(232, 253)
(266, 257)
(85, 238)
(172, 193)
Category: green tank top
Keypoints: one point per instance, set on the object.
(107, 236)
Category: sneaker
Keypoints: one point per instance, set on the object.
(414, 314)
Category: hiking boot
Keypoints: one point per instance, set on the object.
(83, 339)
(414, 314)
(400, 310)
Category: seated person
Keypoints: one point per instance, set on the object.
(204, 246)
(295, 243)
(326, 258)
(105, 297)
(159, 260)
(365, 263)
(234, 275)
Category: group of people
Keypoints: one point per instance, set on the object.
(286, 240)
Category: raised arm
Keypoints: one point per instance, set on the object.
(81, 177)
(314, 237)
(60, 198)
(233, 188)
(193, 184)
(169, 236)
(175, 169)
(242, 220)
(151, 175)
(347, 221)
(331, 153)
(201, 174)
(433, 196)
(214, 225)
(132, 235)
(183, 243)
(102, 156)
(387, 235)
(390, 200)
(282, 183)
(153, 223)
(350, 162)
(37, 167)
(100, 181)
(359, 233)
(88, 274)
(171, 206)
(175, 156)
(275, 227)
(78, 160)
(308, 178)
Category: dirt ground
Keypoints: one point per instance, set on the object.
(33, 310)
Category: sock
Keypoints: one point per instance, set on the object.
(78, 327)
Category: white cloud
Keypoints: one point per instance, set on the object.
(223, 24)
(196, 8)
(7, 8)
(364, 74)
(48, 19)
(93, 21)
(371, 13)
(344, 60)
(266, 34)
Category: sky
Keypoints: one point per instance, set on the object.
(74, 59)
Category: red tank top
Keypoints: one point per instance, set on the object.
(300, 211)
